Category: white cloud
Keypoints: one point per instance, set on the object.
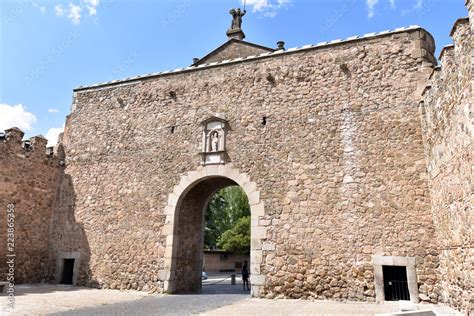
(93, 3)
(53, 110)
(52, 135)
(257, 5)
(392, 4)
(74, 13)
(419, 4)
(59, 10)
(91, 6)
(370, 6)
(92, 10)
(74, 10)
(268, 8)
(16, 116)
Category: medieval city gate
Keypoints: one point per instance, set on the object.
(330, 132)
(185, 220)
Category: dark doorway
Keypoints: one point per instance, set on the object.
(68, 271)
(395, 283)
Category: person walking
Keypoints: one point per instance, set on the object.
(245, 275)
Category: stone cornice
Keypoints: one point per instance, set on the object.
(322, 45)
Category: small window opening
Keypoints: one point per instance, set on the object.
(395, 283)
(173, 128)
(264, 120)
(27, 145)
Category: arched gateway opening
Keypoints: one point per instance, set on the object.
(184, 226)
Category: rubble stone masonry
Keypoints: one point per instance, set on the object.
(354, 155)
(339, 165)
(28, 180)
(448, 129)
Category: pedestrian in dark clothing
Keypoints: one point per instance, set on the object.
(245, 275)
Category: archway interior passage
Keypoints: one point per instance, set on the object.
(189, 232)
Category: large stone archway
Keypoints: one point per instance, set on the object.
(186, 204)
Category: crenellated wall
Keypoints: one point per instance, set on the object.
(344, 182)
(29, 178)
(447, 123)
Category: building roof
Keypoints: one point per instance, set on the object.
(232, 41)
(254, 57)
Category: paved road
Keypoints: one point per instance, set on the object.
(212, 297)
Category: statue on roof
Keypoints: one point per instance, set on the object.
(237, 15)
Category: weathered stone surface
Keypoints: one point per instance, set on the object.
(338, 164)
(28, 180)
(448, 130)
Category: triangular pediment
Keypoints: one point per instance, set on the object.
(233, 48)
(214, 119)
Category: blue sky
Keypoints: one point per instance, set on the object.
(50, 47)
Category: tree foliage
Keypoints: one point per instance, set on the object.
(224, 212)
(237, 239)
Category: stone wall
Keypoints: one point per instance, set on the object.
(331, 136)
(29, 180)
(448, 132)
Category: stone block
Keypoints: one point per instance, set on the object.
(256, 256)
(257, 279)
(258, 232)
(254, 198)
(268, 246)
(254, 268)
(169, 209)
(256, 243)
(173, 199)
(167, 229)
(258, 209)
(256, 289)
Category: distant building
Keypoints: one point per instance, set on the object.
(222, 261)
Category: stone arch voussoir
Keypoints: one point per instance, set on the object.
(258, 232)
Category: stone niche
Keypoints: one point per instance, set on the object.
(214, 132)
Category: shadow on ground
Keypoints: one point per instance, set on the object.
(40, 288)
(217, 291)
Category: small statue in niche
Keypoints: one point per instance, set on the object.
(214, 131)
(214, 141)
(237, 15)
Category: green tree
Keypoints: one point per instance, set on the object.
(225, 209)
(237, 239)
